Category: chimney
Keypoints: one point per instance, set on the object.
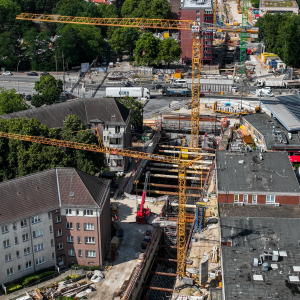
(113, 118)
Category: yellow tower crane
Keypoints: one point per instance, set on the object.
(143, 23)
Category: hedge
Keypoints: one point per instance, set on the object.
(32, 278)
(13, 287)
(86, 267)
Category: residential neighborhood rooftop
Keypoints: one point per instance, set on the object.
(255, 172)
(278, 3)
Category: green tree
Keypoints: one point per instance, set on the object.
(146, 49)
(50, 88)
(11, 102)
(9, 51)
(116, 40)
(255, 3)
(37, 100)
(136, 109)
(159, 9)
(8, 11)
(169, 51)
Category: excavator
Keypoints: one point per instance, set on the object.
(143, 213)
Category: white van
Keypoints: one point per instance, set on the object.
(179, 82)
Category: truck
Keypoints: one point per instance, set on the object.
(177, 92)
(264, 92)
(120, 92)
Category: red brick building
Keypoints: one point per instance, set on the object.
(256, 178)
(200, 11)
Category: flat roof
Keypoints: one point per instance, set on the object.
(278, 3)
(193, 4)
(286, 110)
(265, 125)
(239, 172)
(257, 238)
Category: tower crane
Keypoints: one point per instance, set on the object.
(143, 23)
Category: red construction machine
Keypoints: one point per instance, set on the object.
(143, 213)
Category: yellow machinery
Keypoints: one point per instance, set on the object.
(143, 23)
(215, 108)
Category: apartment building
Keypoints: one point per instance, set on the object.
(200, 11)
(55, 217)
(110, 117)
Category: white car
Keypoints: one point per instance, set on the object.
(7, 73)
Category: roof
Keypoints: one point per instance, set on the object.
(277, 3)
(101, 109)
(264, 124)
(193, 4)
(245, 172)
(260, 238)
(248, 140)
(287, 110)
(45, 191)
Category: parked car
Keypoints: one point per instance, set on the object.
(28, 98)
(32, 74)
(7, 73)
(158, 87)
(44, 74)
(127, 84)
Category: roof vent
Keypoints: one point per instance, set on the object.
(241, 161)
(257, 277)
(71, 194)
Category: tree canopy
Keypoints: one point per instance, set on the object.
(136, 109)
(19, 158)
(11, 102)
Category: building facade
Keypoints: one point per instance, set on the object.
(199, 11)
(110, 117)
(55, 217)
(256, 178)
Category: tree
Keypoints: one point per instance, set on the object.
(9, 51)
(146, 49)
(8, 11)
(117, 41)
(37, 100)
(169, 51)
(50, 88)
(136, 109)
(159, 9)
(11, 102)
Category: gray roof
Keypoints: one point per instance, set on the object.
(250, 238)
(264, 124)
(43, 191)
(101, 109)
(245, 172)
(286, 109)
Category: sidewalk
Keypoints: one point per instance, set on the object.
(49, 282)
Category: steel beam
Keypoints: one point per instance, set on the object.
(176, 166)
(174, 176)
(186, 153)
(158, 288)
(168, 193)
(163, 273)
(179, 147)
(174, 186)
(173, 170)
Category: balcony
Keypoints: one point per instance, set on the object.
(116, 135)
(116, 169)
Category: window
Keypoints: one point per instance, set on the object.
(88, 226)
(60, 246)
(270, 199)
(57, 211)
(9, 271)
(25, 237)
(53, 256)
(52, 242)
(236, 198)
(35, 219)
(19, 268)
(89, 240)
(57, 219)
(117, 129)
(27, 251)
(207, 48)
(79, 240)
(37, 233)
(80, 253)
(24, 223)
(18, 254)
(14, 226)
(39, 247)
(50, 228)
(8, 257)
(40, 260)
(245, 198)
(4, 229)
(249, 128)
(254, 199)
(70, 239)
(88, 212)
(68, 211)
(58, 232)
(28, 265)
(6, 244)
(78, 226)
(77, 212)
(69, 225)
(197, 12)
(90, 253)
(50, 215)
(71, 252)
(198, 19)
(16, 240)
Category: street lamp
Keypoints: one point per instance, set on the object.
(18, 76)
